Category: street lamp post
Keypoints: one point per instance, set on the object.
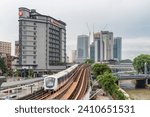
(145, 70)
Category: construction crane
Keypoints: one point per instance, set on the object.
(104, 27)
(88, 30)
(89, 40)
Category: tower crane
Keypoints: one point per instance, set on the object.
(89, 40)
(88, 30)
(105, 27)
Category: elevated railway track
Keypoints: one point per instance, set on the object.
(74, 88)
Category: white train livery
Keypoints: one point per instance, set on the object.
(51, 82)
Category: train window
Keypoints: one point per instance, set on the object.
(59, 80)
(69, 74)
(50, 82)
(63, 78)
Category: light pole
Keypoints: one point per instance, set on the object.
(145, 70)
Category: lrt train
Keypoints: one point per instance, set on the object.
(52, 82)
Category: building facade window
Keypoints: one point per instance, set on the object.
(24, 57)
(34, 43)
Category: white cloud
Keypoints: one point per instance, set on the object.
(136, 46)
(126, 18)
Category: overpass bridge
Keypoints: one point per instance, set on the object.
(122, 67)
(124, 71)
(131, 77)
(141, 79)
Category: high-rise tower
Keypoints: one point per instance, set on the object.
(117, 48)
(103, 42)
(42, 40)
(82, 48)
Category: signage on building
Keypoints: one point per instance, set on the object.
(54, 22)
(20, 13)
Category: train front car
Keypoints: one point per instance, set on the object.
(53, 82)
(49, 83)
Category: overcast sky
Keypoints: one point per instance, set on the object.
(129, 19)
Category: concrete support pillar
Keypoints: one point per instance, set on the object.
(146, 83)
(141, 83)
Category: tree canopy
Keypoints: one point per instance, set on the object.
(3, 66)
(99, 69)
(139, 62)
(90, 61)
(108, 83)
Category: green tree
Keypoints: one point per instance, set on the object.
(99, 69)
(89, 61)
(10, 72)
(3, 66)
(108, 82)
(16, 73)
(50, 72)
(119, 95)
(139, 62)
(30, 73)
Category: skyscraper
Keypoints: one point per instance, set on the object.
(92, 52)
(117, 48)
(82, 48)
(107, 44)
(103, 42)
(42, 40)
(97, 47)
